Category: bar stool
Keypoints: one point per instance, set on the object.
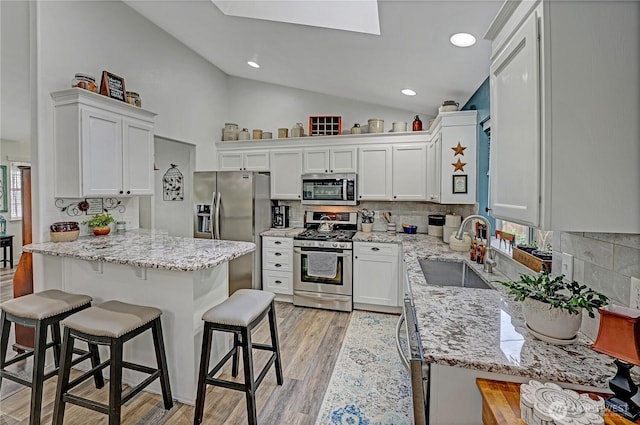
(111, 323)
(239, 313)
(42, 310)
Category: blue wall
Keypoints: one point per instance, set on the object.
(480, 101)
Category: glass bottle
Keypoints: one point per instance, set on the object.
(417, 124)
(473, 252)
(480, 253)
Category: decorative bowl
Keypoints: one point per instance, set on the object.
(409, 228)
(68, 236)
(64, 226)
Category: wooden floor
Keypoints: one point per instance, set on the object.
(310, 341)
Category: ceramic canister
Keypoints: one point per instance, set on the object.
(267, 135)
(283, 133)
(376, 125)
(257, 134)
(399, 126)
(244, 135)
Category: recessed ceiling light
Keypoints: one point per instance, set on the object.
(253, 64)
(408, 92)
(462, 39)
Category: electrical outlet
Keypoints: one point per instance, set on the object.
(634, 299)
(567, 266)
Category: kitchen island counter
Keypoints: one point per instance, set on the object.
(148, 249)
(183, 277)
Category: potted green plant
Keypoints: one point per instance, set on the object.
(99, 223)
(553, 307)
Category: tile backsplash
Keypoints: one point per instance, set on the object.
(401, 212)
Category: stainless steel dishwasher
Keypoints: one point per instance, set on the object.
(410, 351)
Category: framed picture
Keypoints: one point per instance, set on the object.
(3, 189)
(95, 206)
(113, 86)
(460, 183)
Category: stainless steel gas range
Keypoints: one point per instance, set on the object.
(322, 261)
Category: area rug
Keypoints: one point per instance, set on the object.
(369, 385)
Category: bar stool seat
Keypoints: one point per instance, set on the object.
(240, 313)
(111, 323)
(42, 311)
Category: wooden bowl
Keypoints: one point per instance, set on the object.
(69, 236)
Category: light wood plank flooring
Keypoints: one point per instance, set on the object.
(310, 341)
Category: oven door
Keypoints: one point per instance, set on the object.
(341, 284)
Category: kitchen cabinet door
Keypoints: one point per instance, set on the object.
(286, 169)
(376, 274)
(256, 161)
(434, 163)
(316, 160)
(102, 164)
(374, 173)
(343, 160)
(137, 158)
(515, 131)
(230, 161)
(410, 173)
(458, 158)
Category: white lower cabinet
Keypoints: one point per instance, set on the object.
(277, 266)
(376, 276)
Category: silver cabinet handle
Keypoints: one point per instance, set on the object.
(278, 265)
(278, 243)
(278, 282)
(403, 358)
(277, 254)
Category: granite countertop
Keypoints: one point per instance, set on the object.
(288, 232)
(484, 329)
(147, 248)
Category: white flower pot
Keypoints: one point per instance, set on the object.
(367, 227)
(555, 323)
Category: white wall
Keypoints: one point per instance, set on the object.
(253, 104)
(188, 94)
(13, 151)
(176, 217)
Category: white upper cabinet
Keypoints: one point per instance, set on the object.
(374, 173)
(410, 173)
(434, 164)
(330, 160)
(564, 115)
(102, 147)
(515, 128)
(243, 161)
(286, 169)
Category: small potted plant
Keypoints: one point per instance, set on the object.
(367, 219)
(552, 306)
(99, 223)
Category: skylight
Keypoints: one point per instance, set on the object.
(357, 16)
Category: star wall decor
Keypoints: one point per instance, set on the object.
(459, 150)
(458, 166)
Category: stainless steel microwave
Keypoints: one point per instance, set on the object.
(329, 189)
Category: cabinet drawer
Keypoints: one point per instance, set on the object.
(273, 256)
(366, 248)
(271, 242)
(278, 282)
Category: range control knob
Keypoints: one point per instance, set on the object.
(335, 244)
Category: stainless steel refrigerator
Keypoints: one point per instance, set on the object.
(234, 205)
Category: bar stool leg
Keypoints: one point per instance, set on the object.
(236, 344)
(161, 358)
(250, 385)
(55, 336)
(63, 377)
(37, 380)
(207, 336)
(274, 342)
(115, 382)
(95, 361)
(5, 328)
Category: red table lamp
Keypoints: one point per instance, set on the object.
(619, 337)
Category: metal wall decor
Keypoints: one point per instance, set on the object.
(89, 206)
(172, 187)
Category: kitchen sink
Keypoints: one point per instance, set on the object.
(451, 273)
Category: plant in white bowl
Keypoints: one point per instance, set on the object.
(552, 306)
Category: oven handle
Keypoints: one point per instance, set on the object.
(341, 253)
(405, 362)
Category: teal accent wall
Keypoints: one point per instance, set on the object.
(480, 101)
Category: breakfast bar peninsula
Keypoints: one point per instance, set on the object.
(183, 277)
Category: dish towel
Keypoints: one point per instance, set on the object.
(322, 264)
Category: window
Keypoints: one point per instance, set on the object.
(15, 193)
(525, 235)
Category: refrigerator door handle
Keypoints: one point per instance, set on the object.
(216, 228)
(211, 214)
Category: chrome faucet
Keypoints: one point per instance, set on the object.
(489, 260)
